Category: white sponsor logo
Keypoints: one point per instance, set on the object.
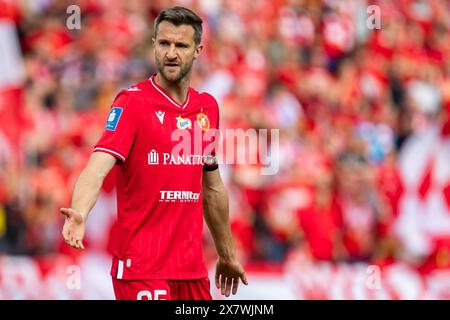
(153, 157)
(134, 89)
(178, 195)
(160, 115)
(190, 159)
(185, 159)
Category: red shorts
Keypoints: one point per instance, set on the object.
(197, 289)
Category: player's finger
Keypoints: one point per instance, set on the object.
(72, 242)
(244, 278)
(222, 284)
(80, 244)
(235, 285)
(77, 242)
(217, 280)
(68, 238)
(228, 287)
(67, 212)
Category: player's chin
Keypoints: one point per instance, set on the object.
(172, 74)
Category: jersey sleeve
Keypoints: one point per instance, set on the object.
(120, 129)
(212, 162)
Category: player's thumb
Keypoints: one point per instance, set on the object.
(67, 212)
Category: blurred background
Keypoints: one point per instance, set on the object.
(360, 208)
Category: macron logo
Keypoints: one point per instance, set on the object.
(134, 89)
(160, 116)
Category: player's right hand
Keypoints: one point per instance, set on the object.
(74, 228)
(228, 274)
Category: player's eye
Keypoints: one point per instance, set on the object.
(164, 43)
(182, 45)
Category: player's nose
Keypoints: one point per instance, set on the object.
(172, 52)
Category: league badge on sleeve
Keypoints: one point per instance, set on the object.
(203, 121)
(113, 118)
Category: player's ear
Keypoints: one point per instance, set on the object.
(153, 42)
(198, 50)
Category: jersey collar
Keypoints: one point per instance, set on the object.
(166, 95)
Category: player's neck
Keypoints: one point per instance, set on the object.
(177, 91)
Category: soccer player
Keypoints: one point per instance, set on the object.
(162, 194)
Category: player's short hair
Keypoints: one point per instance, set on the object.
(178, 16)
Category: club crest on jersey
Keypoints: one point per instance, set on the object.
(113, 118)
(183, 123)
(203, 121)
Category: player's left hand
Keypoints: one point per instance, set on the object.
(228, 273)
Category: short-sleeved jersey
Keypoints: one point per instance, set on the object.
(162, 148)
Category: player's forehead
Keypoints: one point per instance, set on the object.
(169, 31)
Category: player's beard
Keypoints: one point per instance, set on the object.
(184, 69)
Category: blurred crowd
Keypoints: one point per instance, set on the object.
(345, 96)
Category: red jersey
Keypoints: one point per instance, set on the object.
(161, 157)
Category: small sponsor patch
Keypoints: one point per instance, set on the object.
(183, 123)
(113, 118)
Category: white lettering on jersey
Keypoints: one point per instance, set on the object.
(134, 89)
(178, 195)
(185, 159)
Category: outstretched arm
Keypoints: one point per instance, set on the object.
(215, 204)
(85, 193)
